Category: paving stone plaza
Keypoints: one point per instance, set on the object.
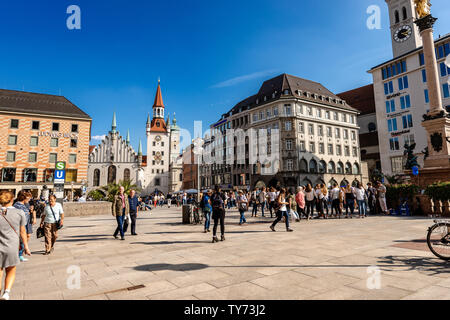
(380, 257)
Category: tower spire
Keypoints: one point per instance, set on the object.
(140, 148)
(114, 124)
(128, 136)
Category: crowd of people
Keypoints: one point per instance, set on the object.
(287, 204)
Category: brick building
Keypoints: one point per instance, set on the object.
(36, 130)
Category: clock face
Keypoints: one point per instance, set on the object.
(158, 157)
(403, 33)
(158, 138)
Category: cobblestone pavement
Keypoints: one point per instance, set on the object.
(320, 260)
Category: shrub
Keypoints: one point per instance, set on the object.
(400, 191)
(439, 191)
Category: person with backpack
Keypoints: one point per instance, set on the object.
(207, 209)
(218, 214)
(282, 210)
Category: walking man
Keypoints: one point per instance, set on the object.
(133, 203)
(120, 209)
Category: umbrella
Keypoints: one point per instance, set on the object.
(191, 191)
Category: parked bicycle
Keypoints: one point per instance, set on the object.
(438, 239)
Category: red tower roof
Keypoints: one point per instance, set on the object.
(158, 98)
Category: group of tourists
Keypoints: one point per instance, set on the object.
(287, 204)
(18, 215)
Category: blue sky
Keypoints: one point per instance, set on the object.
(208, 54)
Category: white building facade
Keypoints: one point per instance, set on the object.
(400, 88)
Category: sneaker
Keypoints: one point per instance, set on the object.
(5, 296)
(23, 259)
(272, 228)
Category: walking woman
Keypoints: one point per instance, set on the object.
(319, 200)
(12, 230)
(361, 198)
(349, 201)
(218, 215)
(22, 203)
(324, 191)
(292, 205)
(120, 209)
(272, 198)
(207, 209)
(309, 197)
(300, 199)
(282, 211)
(52, 220)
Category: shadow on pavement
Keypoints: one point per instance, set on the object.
(168, 242)
(173, 267)
(433, 265)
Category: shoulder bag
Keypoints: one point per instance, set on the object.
(58, 222)
(10, 224)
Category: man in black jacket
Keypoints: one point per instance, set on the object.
(218, 205)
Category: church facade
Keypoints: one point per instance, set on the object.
(158, 172)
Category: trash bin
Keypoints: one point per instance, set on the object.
(187, 210)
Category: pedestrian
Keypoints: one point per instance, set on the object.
(207, 209)
(23, 203)
(349, 201)
(319, 200)
(12, 231)
(52, 220)
(262, 199)
(309, 197)
(361, 198)
(254, 203)
(335, 202)
(292, 208)
(134, 209)
(300, 200)
(272, 195)
(120, 209)
(218, 206)
(324, 192)
(281, 210)
(242, 203)
(381, 191)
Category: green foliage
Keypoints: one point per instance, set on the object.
(400, 191)
(439, 191)
(393, 180)
(97, 195)
(113, 188)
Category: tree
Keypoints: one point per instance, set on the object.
(113, 188)
(97, 195)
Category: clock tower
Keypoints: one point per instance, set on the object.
(405, 34)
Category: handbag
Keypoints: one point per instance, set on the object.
(58, 223)
(40, 232)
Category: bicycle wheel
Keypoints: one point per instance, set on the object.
(438, 240)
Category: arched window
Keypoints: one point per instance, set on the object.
(397, 17)
(303, 166)
(405, 15)
(313, 166)
(355, 168)
(355, 183)
(331, 167)
(306, 181)
(348, 168)
(112, 174)
(340, 168)
(126, 175)
(96, 177)
(344, 183)
(332, 182)
(322, 167)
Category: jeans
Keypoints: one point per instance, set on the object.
(207, 219)
(350, 204)
(263, 204)
(294, 214)
(242, 219)
(300, 211)
(280, 215)
(119, 226)
(271, 205)
(336, 205)
(362, 207)
(309, 208)
(255, 209)
(219, 215)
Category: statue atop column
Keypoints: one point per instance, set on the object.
(422, 8)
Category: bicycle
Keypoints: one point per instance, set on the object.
(438, 239)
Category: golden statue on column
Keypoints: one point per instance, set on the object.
(422, 8)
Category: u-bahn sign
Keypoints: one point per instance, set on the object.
(58, 181)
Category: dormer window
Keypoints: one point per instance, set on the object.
(286, 92)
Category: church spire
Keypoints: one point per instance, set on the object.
(128, 136)
(114, 124)
(158, 98)
(140, 148)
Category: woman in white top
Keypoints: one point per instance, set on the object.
(282, 211)
(272, 195)
(360, 193)
(309, 199)
(52, 220)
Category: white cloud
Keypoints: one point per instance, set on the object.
(247, 77)
(98, 138)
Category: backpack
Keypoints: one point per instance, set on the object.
(217, 201)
